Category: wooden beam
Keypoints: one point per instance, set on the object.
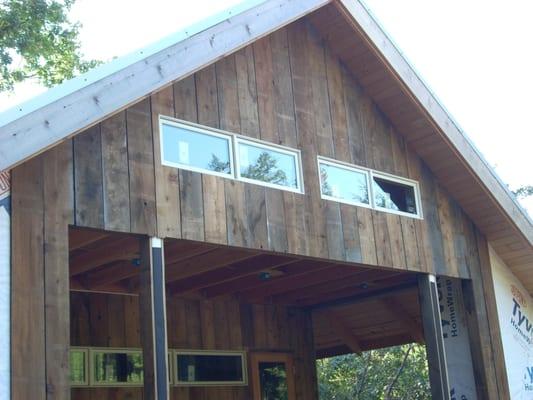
(409, 323)
(79, 238)
(111, 274)
(431, 320)
(122, 249)
(339, 326)
(369, 296)
(26, 131)
(351, 285)
(316, 275)
(153, 325)
(206, 262)
(219, 278)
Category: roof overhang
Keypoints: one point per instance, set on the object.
(356, 38)
(428, 128)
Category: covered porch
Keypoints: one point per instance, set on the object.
(223, 300)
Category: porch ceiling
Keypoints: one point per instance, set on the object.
(354, 307)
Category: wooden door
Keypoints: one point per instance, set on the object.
(272, 376)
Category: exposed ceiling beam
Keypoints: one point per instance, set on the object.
(410, 324)
(339, 326)
(122, 249)
(221, 281)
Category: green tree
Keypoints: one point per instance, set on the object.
(388, 374)
(216, 164)
(265, 169)
(38, 41)
(524, 191)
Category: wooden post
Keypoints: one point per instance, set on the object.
(153, 319)
(431, 321)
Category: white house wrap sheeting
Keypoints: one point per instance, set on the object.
(515, 314)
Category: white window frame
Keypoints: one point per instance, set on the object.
(242, 354)
(370, 174)
(85, 351)
(204, 130)
(348, 167)
(273, 147)
(112, 350)
(403, 181)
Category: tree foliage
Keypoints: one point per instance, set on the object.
(38, 41)
(388, 374)
(216, 164)
(265, 169)
(524, 191)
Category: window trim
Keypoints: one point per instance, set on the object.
(370, 173)
(202, 129)
(112, 350)
(403, 181)
(242, 354)
(297, 154)
(85, 351)
(348, 167)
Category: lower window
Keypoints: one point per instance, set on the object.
(209, 368)
(116, 367)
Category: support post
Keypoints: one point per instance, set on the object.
(431, 321)
(153, 319)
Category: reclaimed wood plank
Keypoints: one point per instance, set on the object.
(88, 179)
(143, 215)
(214, 202)
(191, 202)
(28, 345)
(58, 193)
(115, 173)
(166, 178)
(315, 224)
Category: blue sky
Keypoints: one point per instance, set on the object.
(475, 55)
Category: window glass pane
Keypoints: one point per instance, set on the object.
(344, 184)
(394, 196)
(118, 367)
(77, 366)
(268, 165)
(209, 368)
(273, 381)
(195, 149)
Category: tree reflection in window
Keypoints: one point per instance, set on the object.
(345, 184)
(217, 165)
(273, 380)
(118, 367)
(266, 169)
(77, 366)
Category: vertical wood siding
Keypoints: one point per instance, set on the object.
(287, 88)
(113, 321)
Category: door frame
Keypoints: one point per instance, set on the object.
(286, 358)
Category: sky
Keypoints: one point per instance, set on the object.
(472, 54)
